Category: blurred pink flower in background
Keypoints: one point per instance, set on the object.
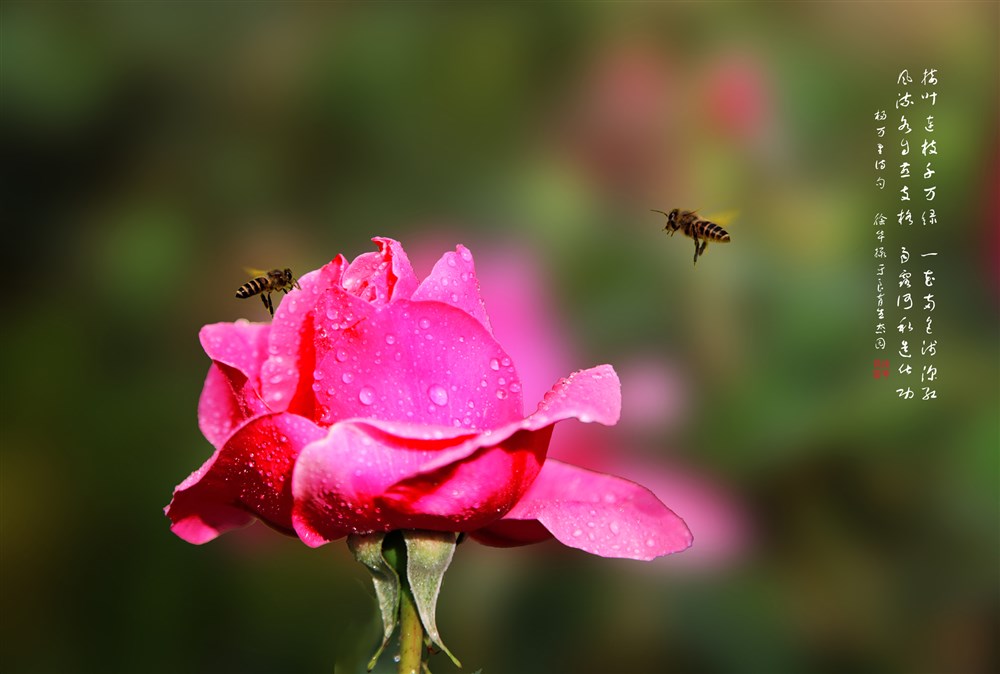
(377, 402)
(736, 96)
(615, 122)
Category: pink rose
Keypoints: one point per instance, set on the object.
(375, 402)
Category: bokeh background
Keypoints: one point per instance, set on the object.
(150, 151)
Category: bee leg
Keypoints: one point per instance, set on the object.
(696, 250)
(266, 299)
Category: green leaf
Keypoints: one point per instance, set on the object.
(428, 554)
(367, 549)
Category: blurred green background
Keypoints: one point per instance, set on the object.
(150, 151)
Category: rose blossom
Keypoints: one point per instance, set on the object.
(375, 402)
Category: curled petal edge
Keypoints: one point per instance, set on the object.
(601, 514)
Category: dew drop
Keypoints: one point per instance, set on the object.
(650, 543)
(577, 533)
(341, 355)
(347, 377)
(438, 395)
(390, 339)
(505, 362)
(614, 528)
(494, 364)
(501, 394)
(514, 387)
(424, 323)
(366, 396)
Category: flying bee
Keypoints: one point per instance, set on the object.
(695, 227)
(265, 283)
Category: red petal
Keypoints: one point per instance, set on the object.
(249, 475)
(382, 277)
(361, 478)
(231, 394)
(290, 345)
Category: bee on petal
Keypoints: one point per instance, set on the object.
(695, 227)
(265, 283)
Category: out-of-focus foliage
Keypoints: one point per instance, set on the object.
(151, 151)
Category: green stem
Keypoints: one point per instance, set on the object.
(411, 634)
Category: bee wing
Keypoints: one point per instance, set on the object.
(254, 273)
(723, 219)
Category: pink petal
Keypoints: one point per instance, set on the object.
(290, 345)
(588, 395)
(375, 475)
(381, 277)
(423, 362)
(453, 281)
(249, 475)
(240, 345)
(359, 479)
(231, 394)
(601, 514)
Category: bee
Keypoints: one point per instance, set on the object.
(266, 283)
(695, 227)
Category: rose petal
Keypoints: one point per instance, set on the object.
(360, 479)
(249, 475)
(385, 475)
(240, 345)
(424, 362)
(231, 393)
(601, 514)
(381, 277)
(290, 344)
(453, 281)
(588, 395)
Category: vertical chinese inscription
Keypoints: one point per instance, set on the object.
(905, 296)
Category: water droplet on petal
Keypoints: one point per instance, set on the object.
(341, 355)
(366, 396)
(514, 387)
(347, 377)
(438, 395)
(424, 323)
(494, 364)
(614, 528)
(390, 339)
(577, 532)
(501, 394)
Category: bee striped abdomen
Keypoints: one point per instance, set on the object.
(251, 288)
(713, 232)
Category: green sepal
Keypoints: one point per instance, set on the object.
(367, 549)
(428, 554)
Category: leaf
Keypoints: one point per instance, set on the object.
(367, 549)
(428, 554)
